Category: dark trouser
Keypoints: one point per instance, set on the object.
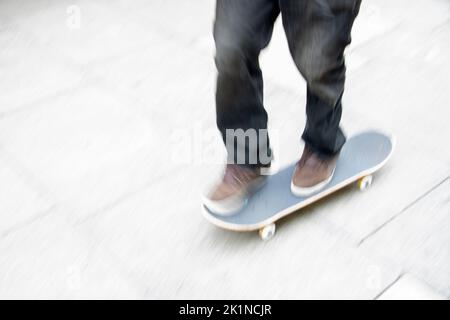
(317, 32)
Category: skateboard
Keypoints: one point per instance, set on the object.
(361, 156)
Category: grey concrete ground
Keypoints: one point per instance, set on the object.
(107, 139)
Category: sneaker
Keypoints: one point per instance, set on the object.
(312, 173)
(232, 193)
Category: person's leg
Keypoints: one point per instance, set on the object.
(318, 32)
(322, 132)
(241, 30)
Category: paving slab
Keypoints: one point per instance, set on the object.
(84, 32)
(48, 260)
(410, 288)
(418, 238)
(14, 188)
(29, 71)
(86, 147)
(169, 85)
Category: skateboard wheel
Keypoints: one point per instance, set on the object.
(364, 183)
(267, 232)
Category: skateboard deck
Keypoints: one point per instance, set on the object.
(361, 156)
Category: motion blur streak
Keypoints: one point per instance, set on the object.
(108, 138)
